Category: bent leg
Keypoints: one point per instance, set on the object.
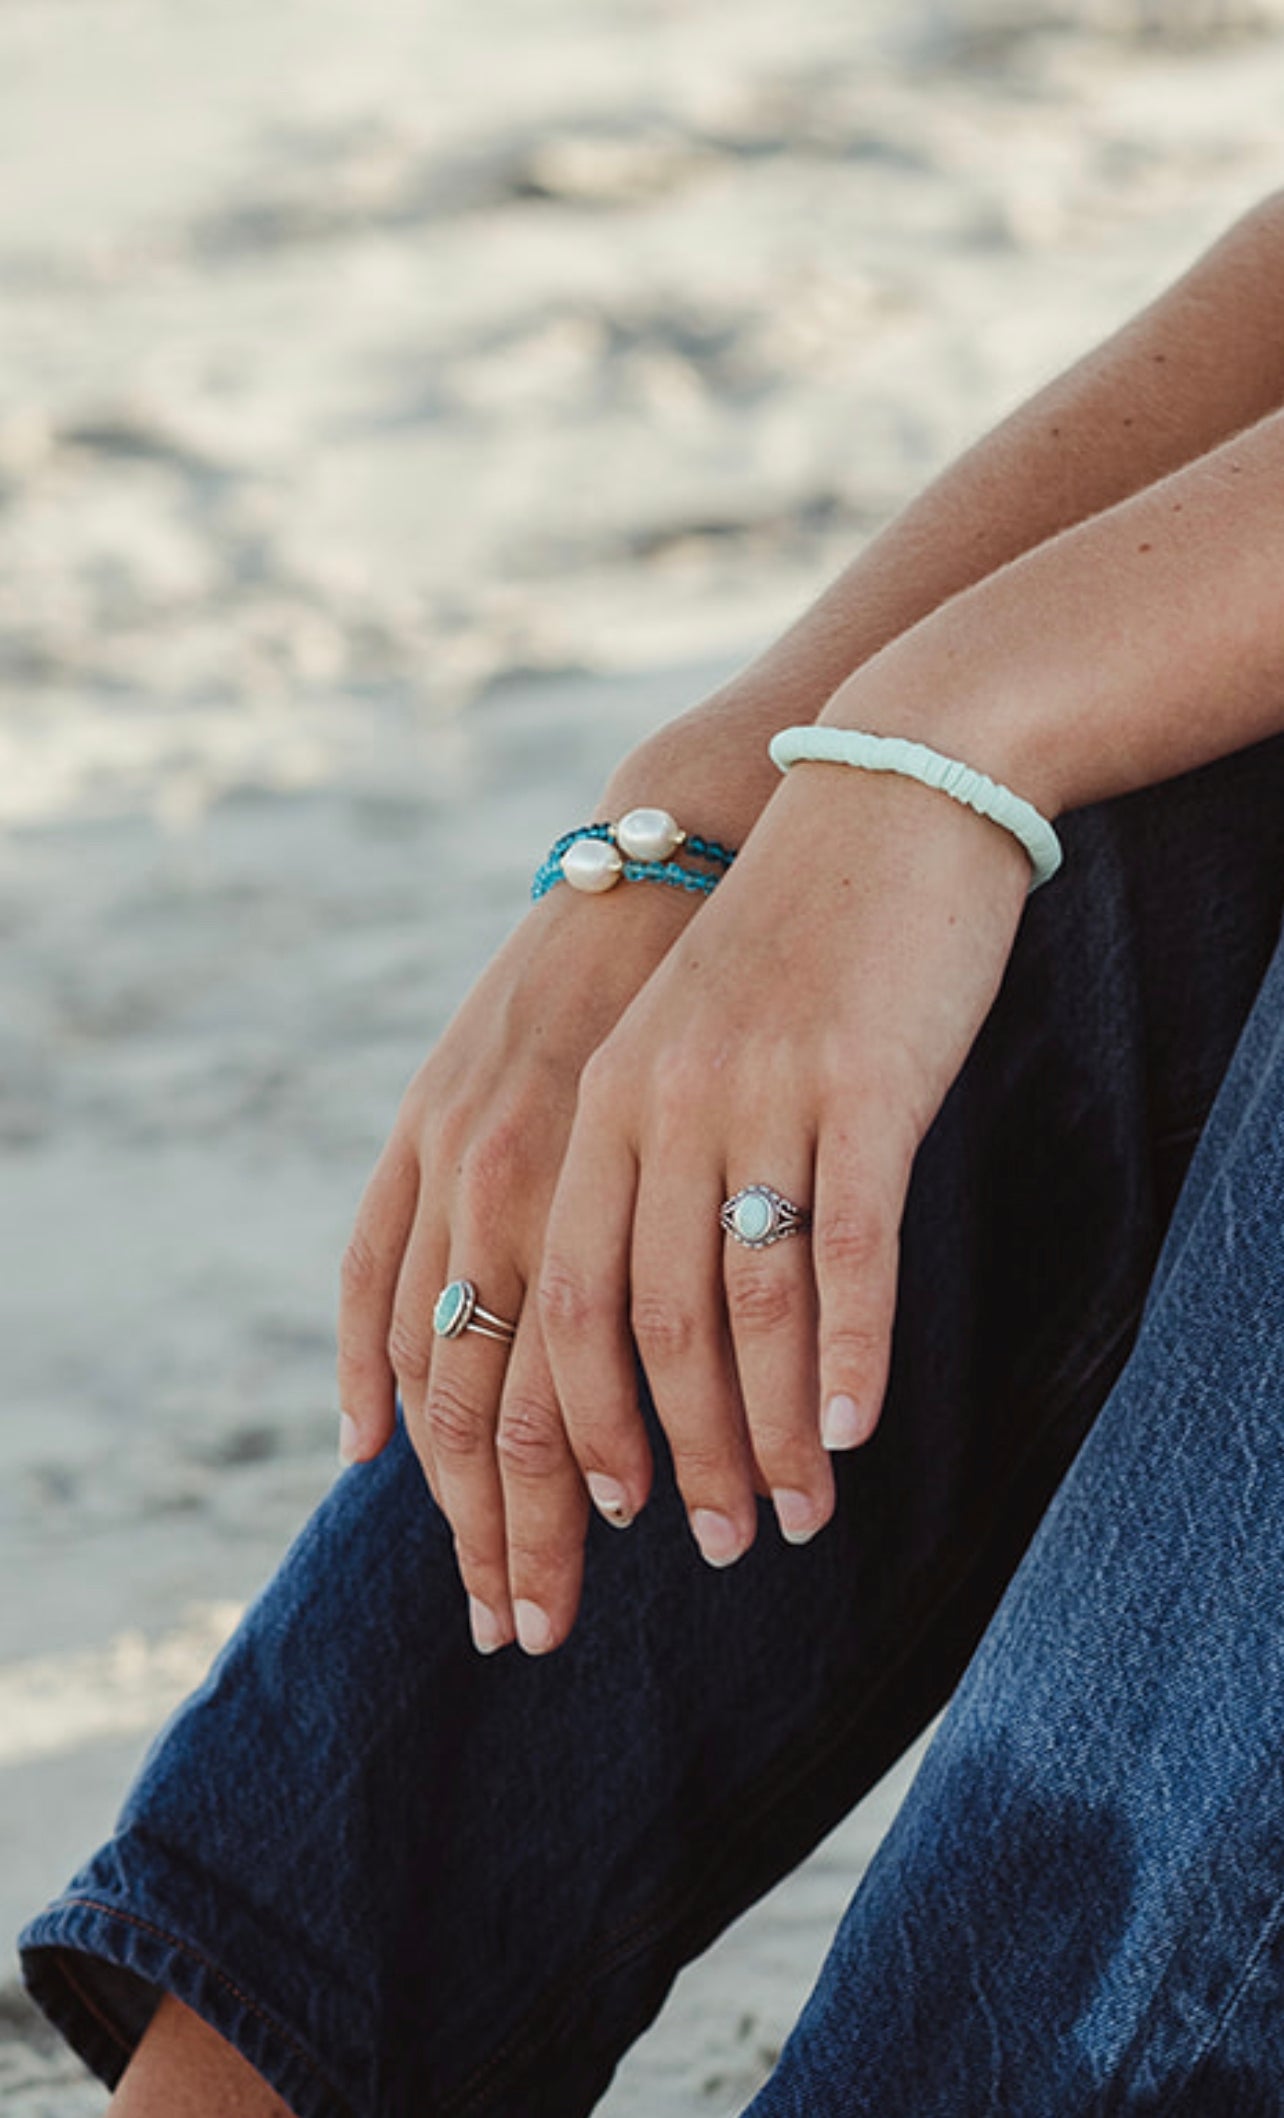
(1080, 1907)
(405, 1882)
(184, 2069)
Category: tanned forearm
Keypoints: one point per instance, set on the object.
(1202, 362)
(1139, 644)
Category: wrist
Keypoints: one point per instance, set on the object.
(709, 768)
(982, 724)
(613, 925)
(907, 757)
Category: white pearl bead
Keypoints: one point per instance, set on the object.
(591, 864)
(648, 834)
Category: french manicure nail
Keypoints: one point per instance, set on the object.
(534, 1627)
(609, 1498)
(796, 1513)
(717, 1536)
(349, 1439)
(488, 1630)
(842, 1426)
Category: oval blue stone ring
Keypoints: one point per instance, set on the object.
(457, 1310)
(758, 1216)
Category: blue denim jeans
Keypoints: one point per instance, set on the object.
(411, 1883)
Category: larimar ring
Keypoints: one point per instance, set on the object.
(457, 1310)
(758, 1216)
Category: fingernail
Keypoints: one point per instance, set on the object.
(609, 1498)
(842, 1426)
(349, 1439)
(534, 1627)
(796, 1513)
(489, 1631)
(717, 1536)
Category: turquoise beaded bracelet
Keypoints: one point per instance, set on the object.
(637, 849)
(896, 753)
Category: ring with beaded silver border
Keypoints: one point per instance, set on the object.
(758, 1216)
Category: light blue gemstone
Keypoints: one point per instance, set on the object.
(753, 1217)
(451, 1311)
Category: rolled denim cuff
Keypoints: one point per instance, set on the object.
(98, 1973)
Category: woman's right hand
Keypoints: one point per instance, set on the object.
(461, 1191)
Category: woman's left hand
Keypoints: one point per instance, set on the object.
(801, 1034)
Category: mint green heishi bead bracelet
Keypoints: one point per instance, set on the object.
(896, 753)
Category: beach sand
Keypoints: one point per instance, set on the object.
(402, 410)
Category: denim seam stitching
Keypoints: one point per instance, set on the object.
(1266, 1933)
(198, 1956)
(775, 1784)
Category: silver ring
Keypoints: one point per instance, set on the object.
(758, 1216)
(457, 1310)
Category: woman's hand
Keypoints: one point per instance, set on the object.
(461, 1192)
(802, 1034)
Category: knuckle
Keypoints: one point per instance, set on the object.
(538, 1556)
(409, 1349)
(493, 1161)
(758, 1299)
(787, 1456)
(480, 1561)
(854, 1348)
(361, 1349)
(566, 1304)
(546, 1569)
(706, 1463)
(362, 1373)
(443, 1129)
(850, 1242)
(530, 1441)
(664, 1330)
(677, 1097)
(359, 1269)
(601, 1080)
(454, 1424)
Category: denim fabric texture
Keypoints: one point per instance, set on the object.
(412, 1883)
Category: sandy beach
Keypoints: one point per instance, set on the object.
(401, 411)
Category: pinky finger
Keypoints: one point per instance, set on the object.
(855, 1235)
(368, 1282)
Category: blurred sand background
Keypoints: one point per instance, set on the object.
(402, 406)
